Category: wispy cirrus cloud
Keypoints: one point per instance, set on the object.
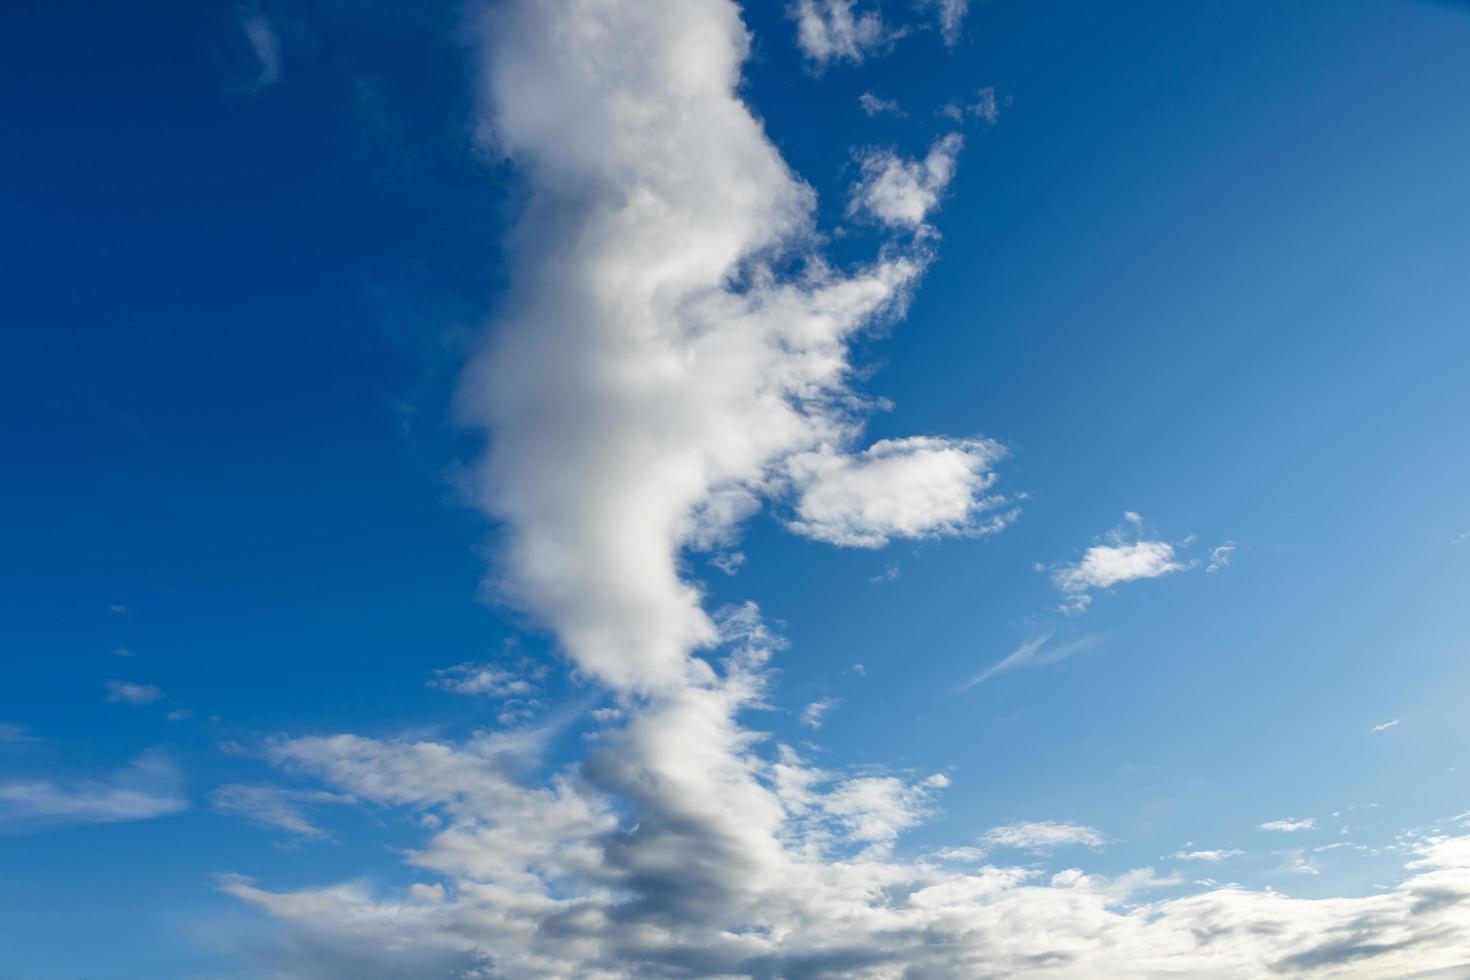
(1039, 651)
(126, 692)
(149, 786)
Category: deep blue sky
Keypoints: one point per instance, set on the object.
(1209, 266)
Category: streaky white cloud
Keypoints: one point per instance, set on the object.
(117, 609)
(815, 713)
(1121, 558)
(1043, 835)
(1385, 726)
(950, 17)
(832, 30)
(1211, 856)
(872, 106)
(920, 487)
(1038, 651)
(149, 786)
(126, 692)
(275, 807)
(265, 46)
(901, 192)
(1290, 825)
(1220, 557)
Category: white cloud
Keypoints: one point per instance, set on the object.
(1043, 835)
(652, 334)
(986, 107)
(1220, 556)
(124, 692)
(950, 15)
(656, 369)
(815, 713)
(275, 807)
(1119, 560)
(1035, 652)
(874, 106)
(149, 786)
(487, 680)
(1290, 825)
(1211, 856)
(117, 609)
(898, 488)
(1385, 726)
(901, 192)
(831, 30)
(265, 46)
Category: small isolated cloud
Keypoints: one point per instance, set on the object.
(815, 713)
(1042, 836)
(986, 107)
(1220, 556)
(1460, 538)
(1290, 825)
(950, 18)
(275, 807)
(874, 106)
(900, 192)
(118, 610)
(1123, 558)
(149, 786)
(920, 487)
(124, 692)
(180, 714)
(265, 47)
(11, 734)
(889, 574)
(1385, 726)
(1035, 652)
(1210, 856)
(486, 680)
(831, 30)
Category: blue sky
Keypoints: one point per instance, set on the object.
(486, 488)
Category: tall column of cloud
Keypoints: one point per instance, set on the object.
(650, 369)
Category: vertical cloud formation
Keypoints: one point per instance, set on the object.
(653, 370)
(673, 353)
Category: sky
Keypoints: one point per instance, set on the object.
(642, 488)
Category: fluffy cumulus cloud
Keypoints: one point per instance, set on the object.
(901, 192)
(833, 30)
(1122, 557)
(672, 354)
(897, 488)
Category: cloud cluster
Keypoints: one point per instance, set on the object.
(831, 30)
(900, 192)
(672, 354)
